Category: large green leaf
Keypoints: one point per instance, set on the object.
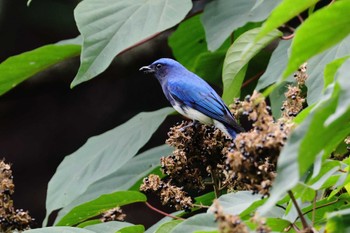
(168, 226)
(316, 66)
(109, 27)
(108, 227)
(317, 34)
(154, 227)
(199, 222)
(16, 69)
(99, 205)
(100, 156)
(338, 221)
(320, 133)
(284, 12)
(190, 49)
(122, 179)
(331, 69)
(60, 230)
(221, 18)
(236, 203)
(237, 57)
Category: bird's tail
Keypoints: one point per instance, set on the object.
(234, 130)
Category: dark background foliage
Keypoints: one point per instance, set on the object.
(42, 119)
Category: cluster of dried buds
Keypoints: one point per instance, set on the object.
(251, 163)
(115, 214)
(11, 219)
(294, 100)
(169, 194)
(228, 223)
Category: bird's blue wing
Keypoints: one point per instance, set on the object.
(201, 97)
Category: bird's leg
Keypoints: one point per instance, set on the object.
(193, 123)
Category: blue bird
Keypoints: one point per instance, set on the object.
(192, 96)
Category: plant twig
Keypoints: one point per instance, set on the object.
(314, 208)
(162, 212)
(300, 214)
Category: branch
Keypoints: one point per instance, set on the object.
(162, 212)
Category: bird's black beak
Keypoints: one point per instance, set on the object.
(147, 69)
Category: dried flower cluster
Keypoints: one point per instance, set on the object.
(115, 214)
(169, 194)
(11, 219)
(294, 100)
(228, 223)
(251, 163)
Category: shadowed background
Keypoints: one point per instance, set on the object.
(43, 120)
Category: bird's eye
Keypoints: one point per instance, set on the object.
(158, 66)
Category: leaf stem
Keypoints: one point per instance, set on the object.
(162, 212)
(300, 214)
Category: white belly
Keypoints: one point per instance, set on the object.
(197, 115)
(194, 114)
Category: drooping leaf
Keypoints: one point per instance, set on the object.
(331, 69)
(236, 203)
(237, 57)
(168, 226)
(154, 227)
(108, 227)
(322, 130)
(122, 179)
(99, 157)
(221, 18)
(315, 70)
(190, 49)
(338, 221)
(108, 27)
(100, 205)
(60, 230)
(132, 229)
(198, 222)
(284, 12)
(16, 69)
(316, 34)
(277, 64)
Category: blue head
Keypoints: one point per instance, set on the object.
(162, 67)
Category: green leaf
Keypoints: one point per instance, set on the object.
(108, 227)
(101, 156)
(124, 178)
(132, 229)
(209, 66)
(108, 27)
(154, 227)
(238, 202)
(168, 226)
(315, 70)
(284, 12)
(277, 64)
(316, 34)
(338, 221)
(277, 224)
(331, 69)
(59, 230)
(205, 199)
(237, 57)
(199, 222)
(190, 49)
(98, 206)
(325, 206)
(319, 134)
(221, 18)
(16, 69)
